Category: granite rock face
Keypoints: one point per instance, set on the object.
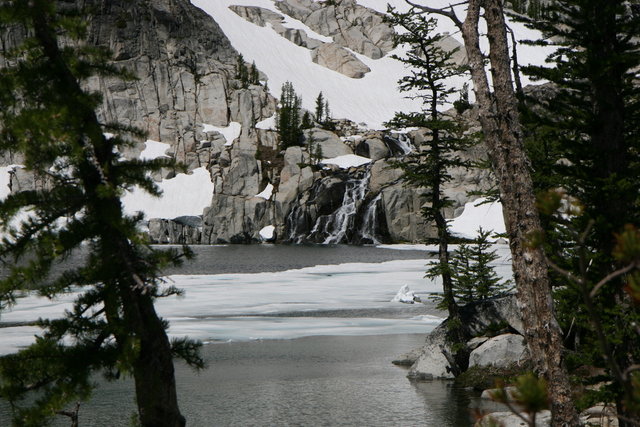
(501, 351)
(185, 78)
(351, 25)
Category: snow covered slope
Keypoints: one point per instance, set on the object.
(372, 99)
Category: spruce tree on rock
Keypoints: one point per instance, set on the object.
(254, 75)
(307, 121)
(500, 120)
(242, 73)
(431, 66)
(112, 328)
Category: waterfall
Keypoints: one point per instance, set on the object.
(293, 221)
(370, 222)
(398, 146)
(404, 143)
(337, 209)
(334, 228)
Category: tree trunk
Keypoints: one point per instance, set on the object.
(153, 370)
(501, 126)
(153, 366)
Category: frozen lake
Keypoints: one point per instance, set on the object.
(255, 305)
(314, 290)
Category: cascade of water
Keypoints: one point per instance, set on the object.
(370, 222)
(400, 146)
(292, 222)
(333, 228)
(404, 143)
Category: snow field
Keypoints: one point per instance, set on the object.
(373, 99)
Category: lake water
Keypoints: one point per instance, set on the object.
(332, 306)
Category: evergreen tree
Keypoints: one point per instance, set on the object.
(497, 105)
(242, 73)
(254, 75)
(430, 67)
(473, 276)
(586, 136)
(319, 108)
(113, 327)
(327, 121)
(288, 117)
(317, 153)
(307, 122)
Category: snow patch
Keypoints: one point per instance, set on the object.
(266, 193)
(405, 295)
(347, 161)
(373, 99)
(488, 216)
(267, 232)
(153, 150)
(267, 124)
(182, 195)
(230, 133)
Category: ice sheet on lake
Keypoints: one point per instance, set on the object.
(249, 306)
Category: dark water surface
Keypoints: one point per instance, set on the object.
(313, 381)
(269, 258)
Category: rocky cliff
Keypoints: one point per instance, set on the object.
(187, 94)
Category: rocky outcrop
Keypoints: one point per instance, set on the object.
(330, 144)
(477, 318)
(261, 16)
(186, 79)
(336, 58)
(351, 25)
(185, 76)
(182, 230)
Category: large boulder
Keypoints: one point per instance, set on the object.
(373, 148)
(486, 314)
(337, 58)
(330, 144)
(402, 205)
(432, 364)
(383, 174)
(476, 318)
(509, 419)
(501, 351)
